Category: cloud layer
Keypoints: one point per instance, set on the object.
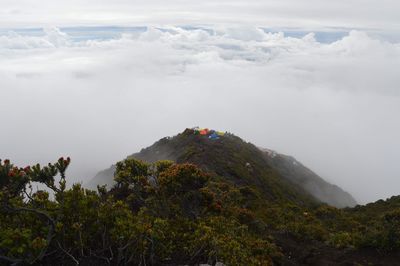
(334, 106)
(372, 14)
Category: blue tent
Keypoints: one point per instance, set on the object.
(213, 136)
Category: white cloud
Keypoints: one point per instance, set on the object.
(53, 38)
(334, 106)
(314, 14)
(56, 37)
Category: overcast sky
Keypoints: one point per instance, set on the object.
(335, 105)
(382, 14)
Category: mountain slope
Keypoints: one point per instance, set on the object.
(104, 177)
(296, 172)
(277, 177)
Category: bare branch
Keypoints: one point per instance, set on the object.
(68, 254)
(50, 232)
(40, 213)
(11, 260)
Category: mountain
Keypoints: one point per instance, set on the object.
(278, 177)
(105, 177)
(297, 173)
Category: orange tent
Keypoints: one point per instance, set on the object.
(204, 131)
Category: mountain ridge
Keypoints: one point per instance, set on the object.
(279, 177)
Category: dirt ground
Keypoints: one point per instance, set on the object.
(315, 253)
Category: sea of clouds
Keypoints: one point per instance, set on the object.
(334, 106)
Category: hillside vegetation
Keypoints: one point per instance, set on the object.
(280, 177)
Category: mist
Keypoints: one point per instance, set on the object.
(334, 106)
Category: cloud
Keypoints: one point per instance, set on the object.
(56, 37)
(334, 106)
(53, 38)
(312, 14)
(15, 41)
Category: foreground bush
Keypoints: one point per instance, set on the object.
(158, 214)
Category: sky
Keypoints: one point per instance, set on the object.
(99, 80)
(371, 14)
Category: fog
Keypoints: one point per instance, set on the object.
(334, 106)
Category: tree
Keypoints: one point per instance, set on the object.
(29, 210)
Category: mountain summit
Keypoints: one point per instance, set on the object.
(278, 177)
